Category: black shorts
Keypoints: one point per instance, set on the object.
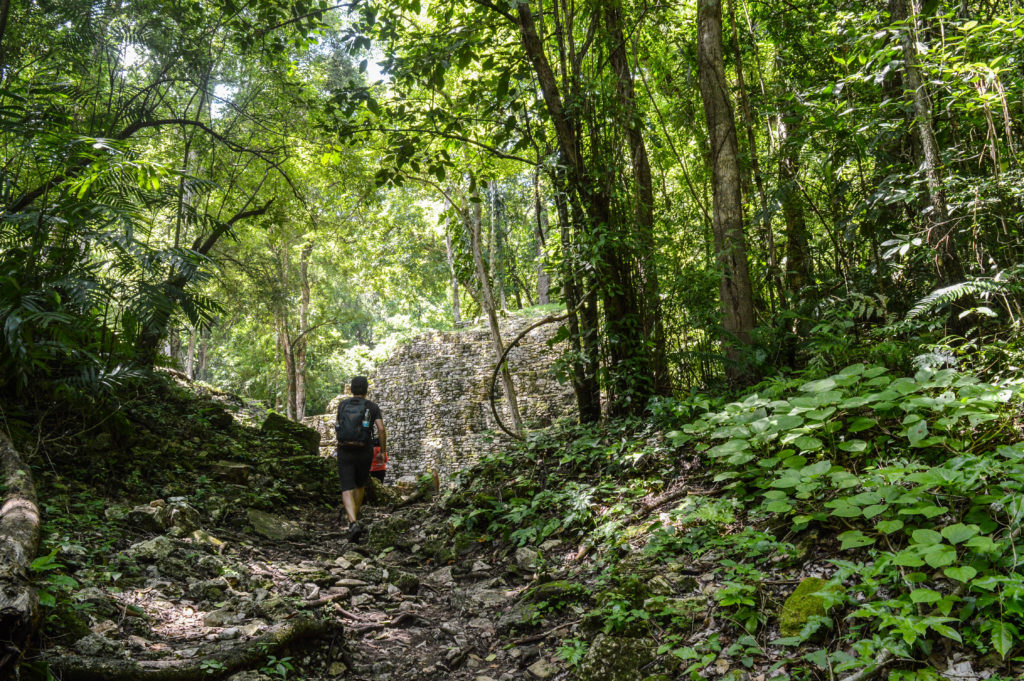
(354, 467)
(380, 475)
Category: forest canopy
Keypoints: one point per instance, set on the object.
(271, 196)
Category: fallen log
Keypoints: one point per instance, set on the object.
(248, 655)
(19, 543)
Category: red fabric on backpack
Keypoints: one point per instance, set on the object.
(380, 460)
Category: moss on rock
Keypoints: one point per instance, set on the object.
(801, 605)
(308, 439)
(615, 658)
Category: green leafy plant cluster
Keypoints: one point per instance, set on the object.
(920, 479)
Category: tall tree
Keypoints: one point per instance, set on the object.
(730, 244)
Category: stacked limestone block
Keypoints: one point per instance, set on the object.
(433, 393)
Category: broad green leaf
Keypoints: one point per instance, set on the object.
(853, 539)
(925, 596)
(731, 447)
(959, 533)
(961, 574)
(853, 446)
(861, 423)
(889, 526)
(927, 510)
(872, 511)
(778, 506)
(908, 558)
(947, 631)
(852, 370)
(926, 537)
(821, 386)
(917, 432)
(844, 509)
(808, 444)
(982, 544)
(1003, 636)
(817, 468)
(940, 555)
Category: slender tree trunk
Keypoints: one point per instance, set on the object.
(20, 529)
(204, 347)
(799, 265)
(302, 341)
(190, 357)
(540, 237)
(456, 314)
(5, 11)
(474, 225)
(730, 244)
(940, 227)
(653, 327)
(755, 165)
(584, 379)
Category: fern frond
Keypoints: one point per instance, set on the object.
(949, 294)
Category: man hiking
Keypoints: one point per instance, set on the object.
(358, 417)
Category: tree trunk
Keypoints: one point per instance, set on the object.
(302, 340)
(799, 266)
(5, 11)
(19, 543)
(940, 227)
(584, 379)
(540, 237)
(456, 314)
(190, 357)
(755, 165)
(204, 347)
(730, 245)
(653, 327)
(474, 225)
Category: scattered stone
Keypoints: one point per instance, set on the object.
(542, 669)
(527, 558)
(96, 645)
(337, 669)
(550, 545)
(271, 526)
(219, 618)
(388, 533)
(406, 582)
(441, 577)
(480, 566)
(151, 550)
(100, 600)
(615, 658)
(104, 626)
(690, 607)
(205, 538)
(146, 517)
(232, 472)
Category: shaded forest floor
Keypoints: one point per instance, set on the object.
(853, 526)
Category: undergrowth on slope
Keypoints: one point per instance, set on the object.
(905, 492)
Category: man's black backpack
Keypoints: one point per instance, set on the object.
(352, 414)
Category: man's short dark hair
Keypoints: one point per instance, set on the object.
(359, 385)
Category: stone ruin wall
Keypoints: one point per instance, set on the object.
(433, 394)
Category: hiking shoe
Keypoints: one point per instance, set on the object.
(355, 530)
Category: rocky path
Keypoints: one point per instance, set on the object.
(226, 602)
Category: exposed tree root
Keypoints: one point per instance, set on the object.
(248, 655)
(668, 497)
(19, 543)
